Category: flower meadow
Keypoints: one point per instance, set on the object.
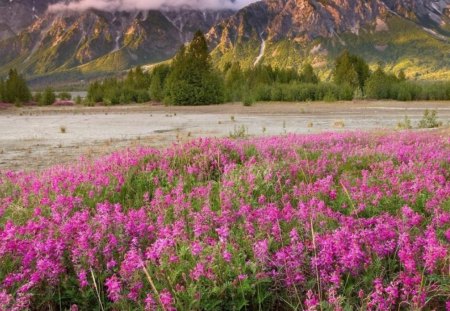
(337, 221)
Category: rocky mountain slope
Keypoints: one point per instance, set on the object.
(73, 45)
(413, 35)
(66, 40)
(16, 15)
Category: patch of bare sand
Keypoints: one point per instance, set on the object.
(38, 137)
(235, 108)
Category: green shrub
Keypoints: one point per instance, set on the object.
(143, 96)
(276, 93)
(429, 119)
(407, 91)
(436, 91)
(239, 132)
(329, 97)
(405, 124)
(346, 92)
(248, 100)
(65, 96)
(78, 100)
(48, 97)
(262, 93)
(37, 97)
(381, 85)
(113, 96)
(95, 92)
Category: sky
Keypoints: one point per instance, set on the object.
(131, 5)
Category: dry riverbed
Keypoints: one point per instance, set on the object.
(38, 137)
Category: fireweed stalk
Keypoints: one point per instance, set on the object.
(319, 222)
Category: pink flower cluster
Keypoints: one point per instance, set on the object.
(337, 220)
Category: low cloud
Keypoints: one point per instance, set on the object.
(133, 5)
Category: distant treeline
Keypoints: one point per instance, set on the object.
(16, 91)
(191, 79)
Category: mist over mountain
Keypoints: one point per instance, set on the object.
(133, 5)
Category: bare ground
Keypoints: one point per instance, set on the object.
(38, 137)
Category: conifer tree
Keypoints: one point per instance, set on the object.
(139, 79)
(2, 90)
(308, 75)
(95, 92)
(158, 80)
(260, 75)
(234, 82)
(156, 90)
(192, 80)
(351, 70)
(16, 89)
(380, 84)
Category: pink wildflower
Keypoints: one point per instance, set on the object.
(113, 288)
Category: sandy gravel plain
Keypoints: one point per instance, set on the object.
(38, 137)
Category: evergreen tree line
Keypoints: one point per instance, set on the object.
(382, 85)
(14, 89)
(112, 91)
(49, 97)
(191, 79)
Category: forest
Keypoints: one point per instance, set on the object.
(191, 79)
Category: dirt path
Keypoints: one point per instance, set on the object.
(36, 137)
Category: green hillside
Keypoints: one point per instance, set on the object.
(402, 45)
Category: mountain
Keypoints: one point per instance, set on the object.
(16, 15)
(413, 35)
(67, 40)
(70, 45)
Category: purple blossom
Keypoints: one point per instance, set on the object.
(306, 208)
(226, 255)
(261, 249)
(198, 271)
(167, 300)
(113, 288)
(150, 303)
(196, 248)
(82, 278)
(311, 301)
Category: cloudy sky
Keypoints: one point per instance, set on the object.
(130, 5)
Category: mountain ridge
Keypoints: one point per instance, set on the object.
(75, 41)
(403, 34)
(295, 32)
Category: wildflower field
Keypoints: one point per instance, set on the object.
(351, 221)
